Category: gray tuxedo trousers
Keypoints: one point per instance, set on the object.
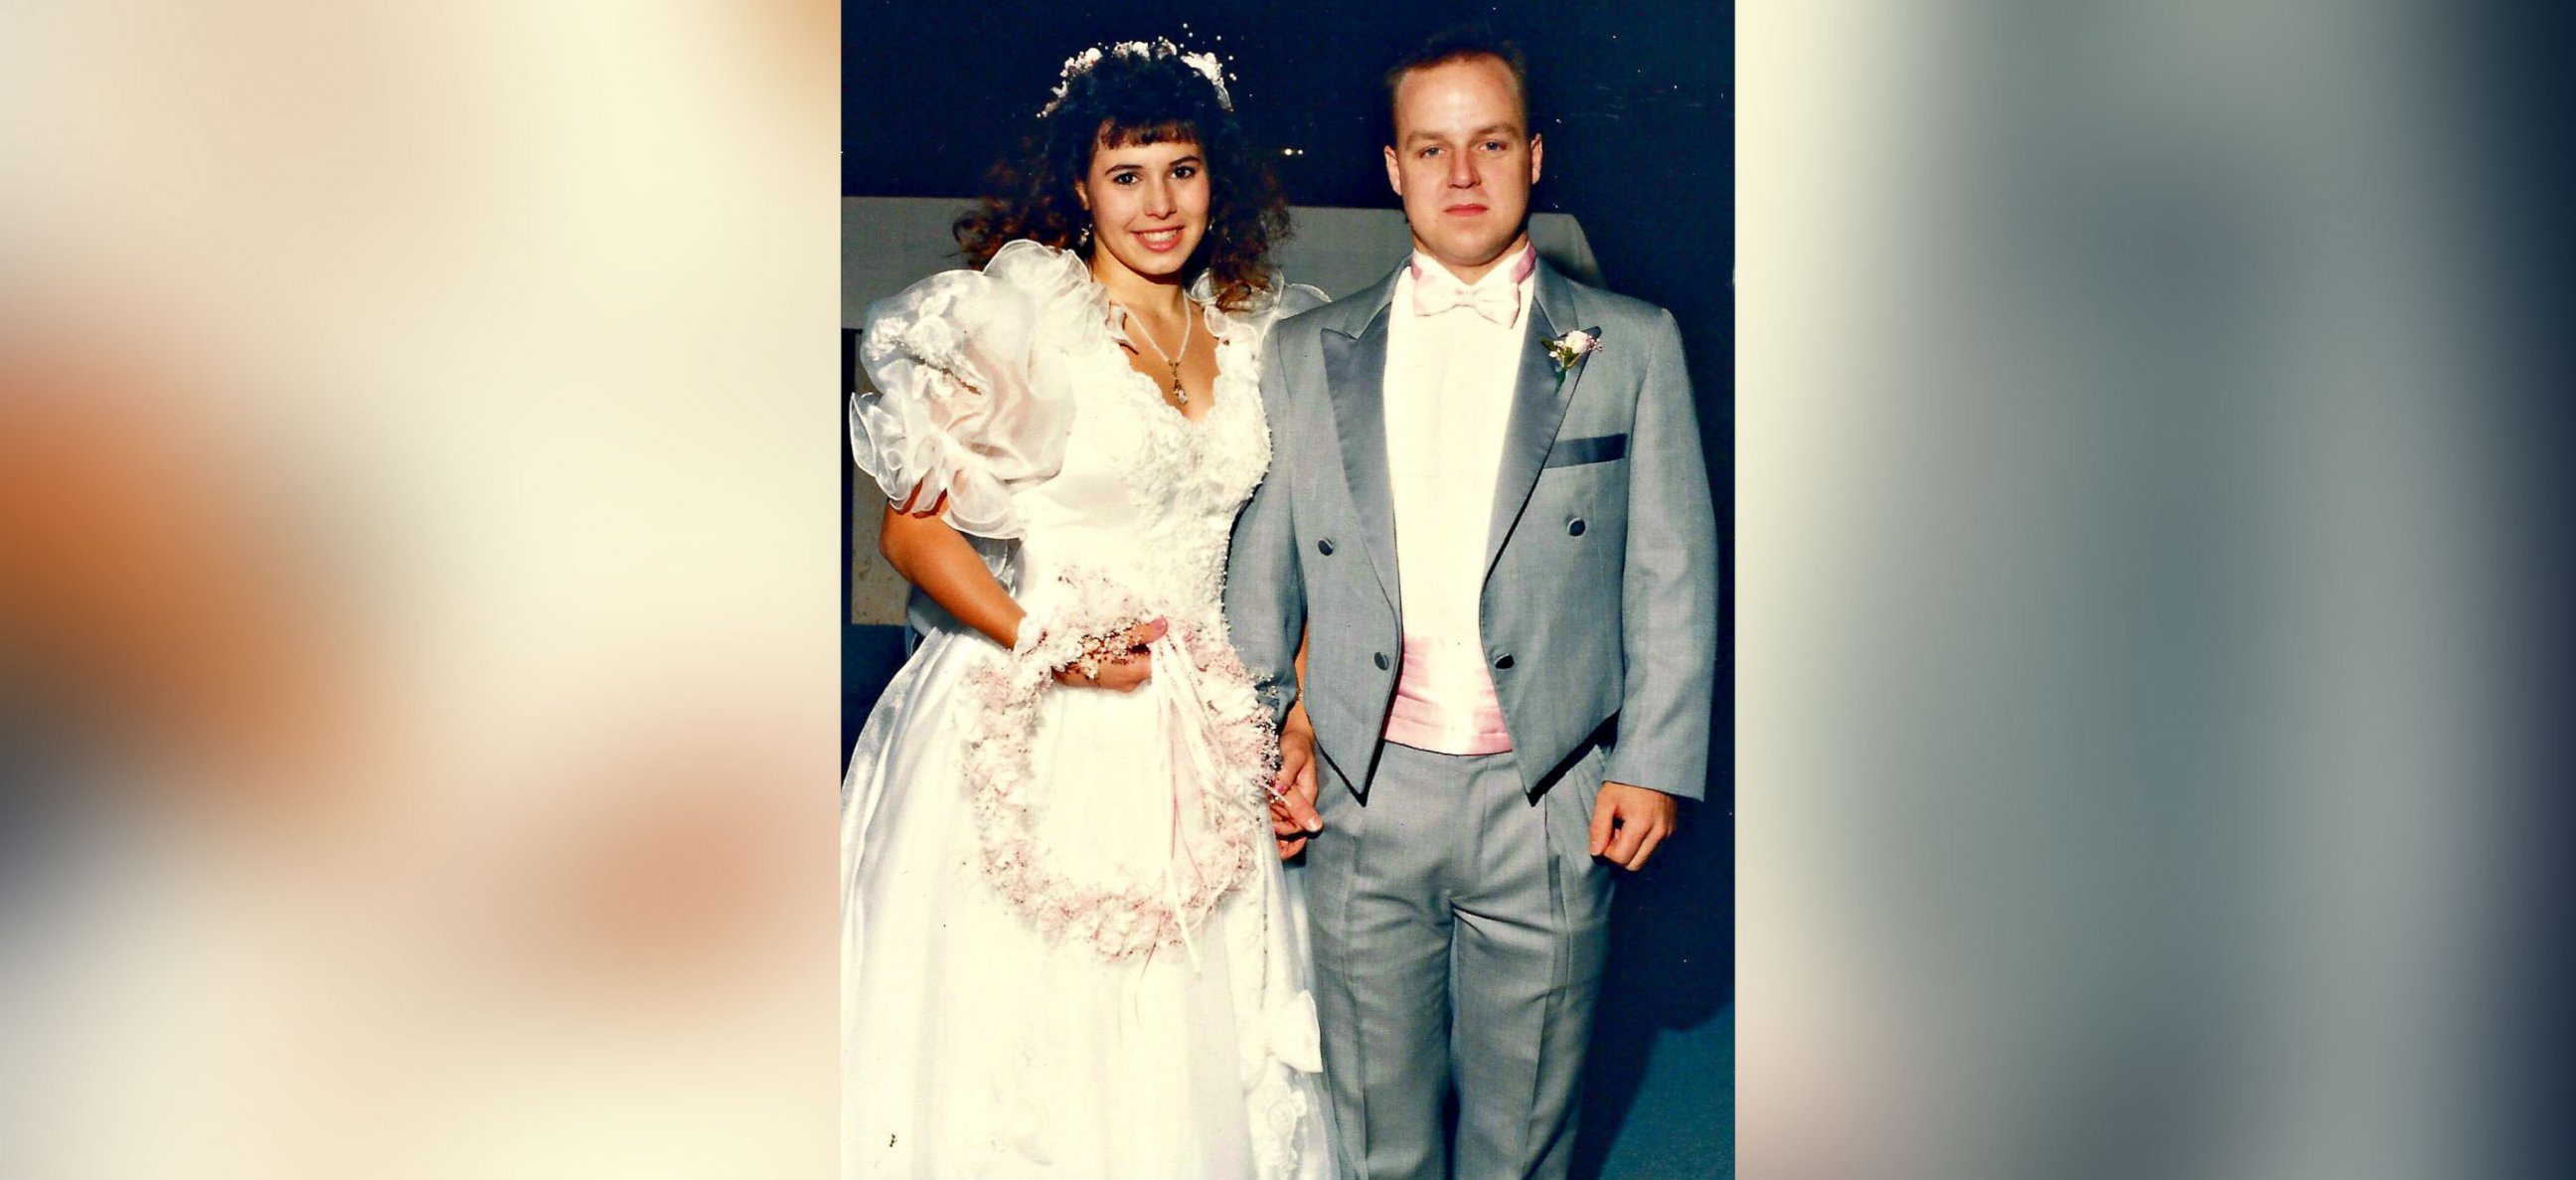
(1458, 920)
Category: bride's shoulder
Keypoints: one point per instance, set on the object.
(1024, 287)
(1056, 284)
(1036, 267)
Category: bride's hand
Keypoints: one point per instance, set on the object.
(1126, 667)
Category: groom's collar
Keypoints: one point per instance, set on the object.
(1365, 307)
(1368, 307)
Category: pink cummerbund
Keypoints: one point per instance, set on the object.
(1444, 700)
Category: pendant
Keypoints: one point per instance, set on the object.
(1179, 394)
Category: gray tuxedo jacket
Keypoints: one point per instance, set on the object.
(1599, 615)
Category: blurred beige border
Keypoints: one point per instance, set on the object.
(418, 445)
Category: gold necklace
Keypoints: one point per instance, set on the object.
(1179, 395)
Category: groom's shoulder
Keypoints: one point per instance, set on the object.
(1307, 322)
(1348, 313)
(1608, 305)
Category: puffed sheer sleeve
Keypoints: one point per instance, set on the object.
(958, 409)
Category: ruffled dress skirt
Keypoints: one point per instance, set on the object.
(977, 1045)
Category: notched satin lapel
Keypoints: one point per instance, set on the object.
(1539, 398)
(1355, 373)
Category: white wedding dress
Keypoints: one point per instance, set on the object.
(1068, 950)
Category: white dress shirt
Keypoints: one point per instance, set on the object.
(1448, 399)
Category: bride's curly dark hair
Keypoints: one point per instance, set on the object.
(1136, 98)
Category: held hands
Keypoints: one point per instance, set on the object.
(1628, 822)
(1293, 818)
(1117, 661)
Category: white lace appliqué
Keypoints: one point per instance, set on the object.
(1215, 812)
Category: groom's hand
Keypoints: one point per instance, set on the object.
(1628, 822)
(1293, 817)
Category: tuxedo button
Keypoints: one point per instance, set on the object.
(1575, 529)
(1384, 663)
(1503, 661)
(1325, 546)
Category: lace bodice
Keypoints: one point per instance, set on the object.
(1007, 390)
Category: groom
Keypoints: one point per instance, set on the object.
(1487, 519)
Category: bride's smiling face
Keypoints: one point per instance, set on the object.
(1148, 203)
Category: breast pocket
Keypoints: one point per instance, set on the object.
(1576, 452)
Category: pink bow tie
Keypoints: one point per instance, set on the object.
(1436, 290)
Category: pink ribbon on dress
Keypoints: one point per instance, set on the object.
(1445, 702)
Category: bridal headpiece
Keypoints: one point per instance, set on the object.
(1160, 48)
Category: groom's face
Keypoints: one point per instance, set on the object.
(1463, 161)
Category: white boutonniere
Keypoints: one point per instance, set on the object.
(1569, 350)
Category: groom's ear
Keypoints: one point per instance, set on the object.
(1538, 152)
(1394, 171)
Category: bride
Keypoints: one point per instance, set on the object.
(1068, 950)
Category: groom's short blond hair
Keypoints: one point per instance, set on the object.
(1463, 43)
